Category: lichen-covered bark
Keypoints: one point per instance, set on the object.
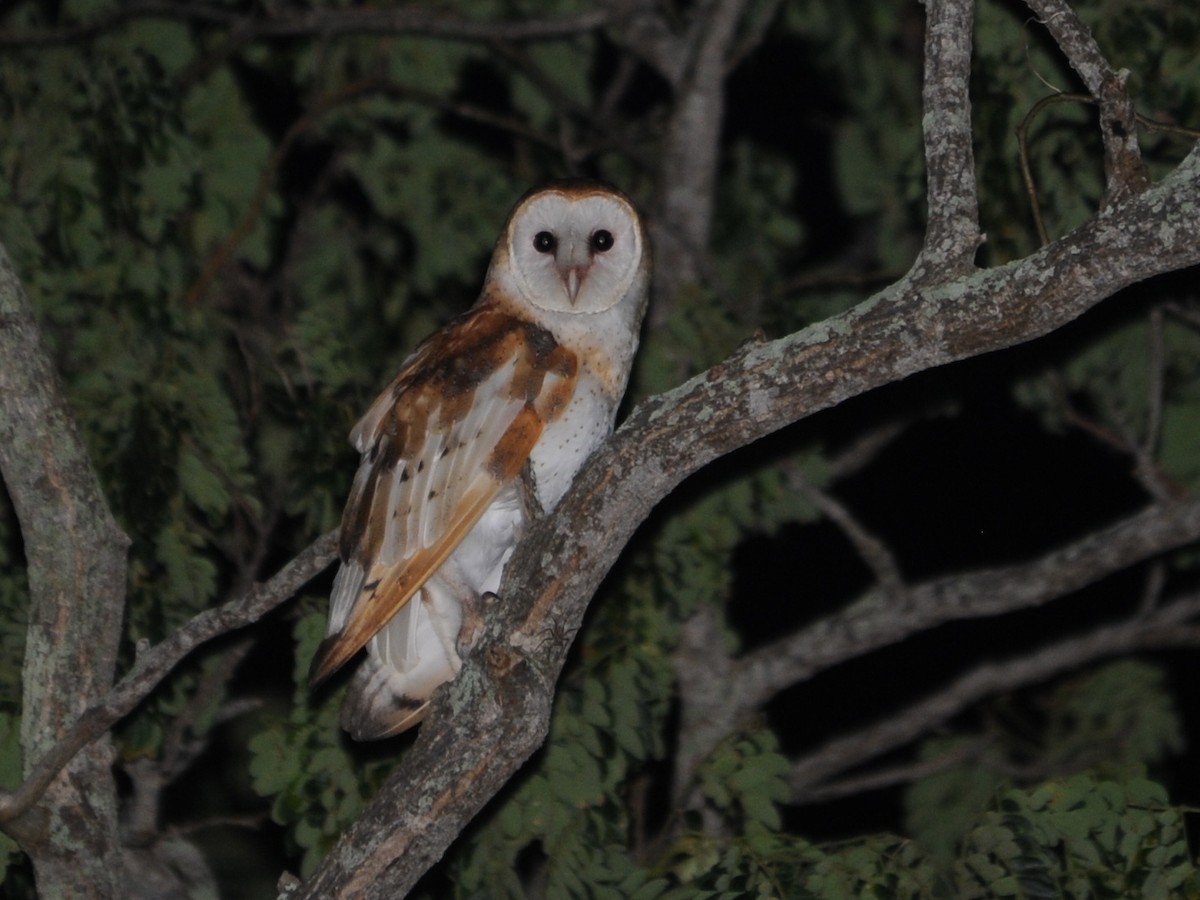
(76, 566)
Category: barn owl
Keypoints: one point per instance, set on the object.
(489, 420)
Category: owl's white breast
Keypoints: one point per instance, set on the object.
(567, 442)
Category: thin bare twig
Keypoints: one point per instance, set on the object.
(1156, 580)
(1023, 153)
(1023, 146)
(1122, 158)
(753, 34)
(871, 549)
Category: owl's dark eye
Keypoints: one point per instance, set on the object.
(544, 242)
(601, 241)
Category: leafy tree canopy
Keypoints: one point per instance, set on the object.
(234, 221)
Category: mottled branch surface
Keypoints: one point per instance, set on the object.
(495, 714)
(952, 233)
(76, 566)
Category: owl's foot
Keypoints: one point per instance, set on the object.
(474, 616)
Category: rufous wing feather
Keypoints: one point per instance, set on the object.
(456, 425)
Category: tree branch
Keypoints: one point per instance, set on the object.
(696, 64)
(484, 724)
(1162, 629)
(75, 555)
(952, 235)
(1118, 119)
(882, 618)
(871, 550)
(155, 663)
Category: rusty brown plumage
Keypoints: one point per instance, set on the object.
(438, 385)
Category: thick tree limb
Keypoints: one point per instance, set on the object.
(76, 569)
(64, 813)
(495, 714)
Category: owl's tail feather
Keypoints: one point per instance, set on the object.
(374, 708)
(406, 661)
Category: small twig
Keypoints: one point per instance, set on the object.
(864, 448)
(182, 743)
(1168, 127)
(870, 548)
(754, 33)
(1155, 387)
(1023, 146)
(1023, 152)
(618, 85)
(1121, 439)
(1145, 468)
(1122, 158)
(155, 663)
(1156, 579)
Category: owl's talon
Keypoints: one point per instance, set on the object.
(474, 614)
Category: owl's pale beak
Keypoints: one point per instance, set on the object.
(572, 278)
(574, 259)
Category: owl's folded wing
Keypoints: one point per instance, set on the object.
(458, 423)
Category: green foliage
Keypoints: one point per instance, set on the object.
(1116, 718)
(232, 245)
(746, 778)
(876, 149)
(1122, 710)
(10, 777)
(1080, 837)
(301, 761)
